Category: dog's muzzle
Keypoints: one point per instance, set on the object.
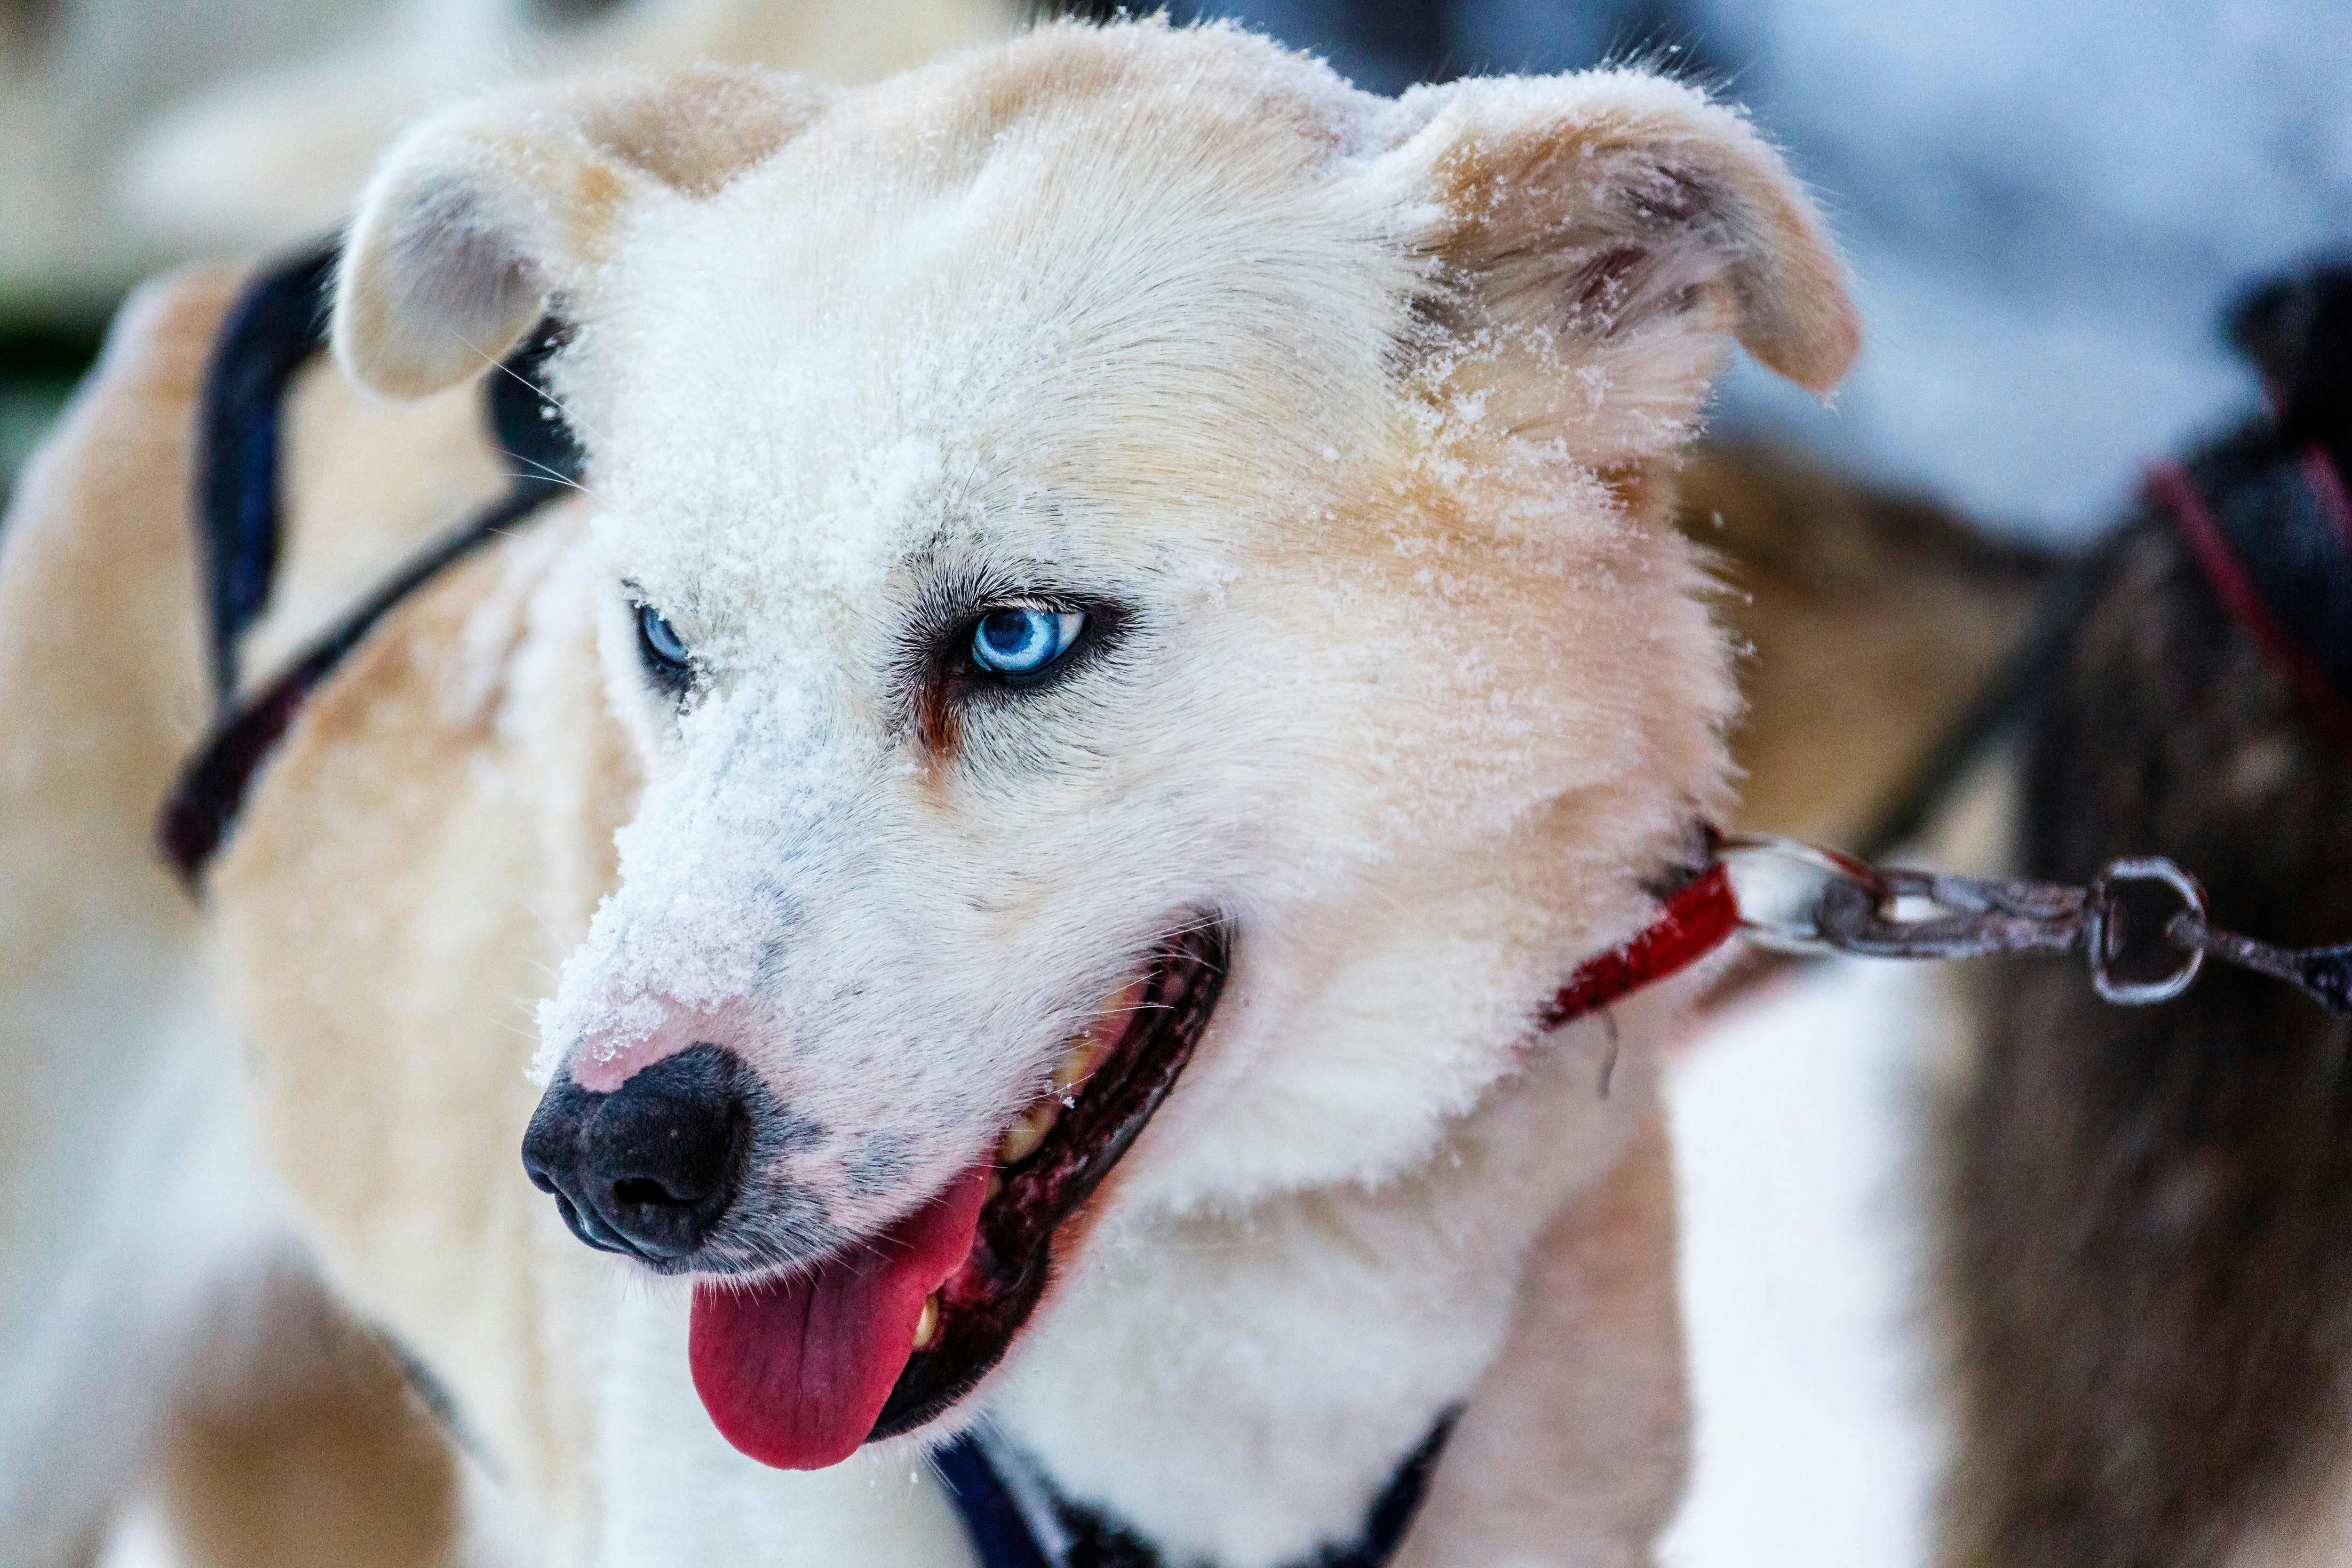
(648, 1170)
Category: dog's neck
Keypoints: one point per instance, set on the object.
(1238, 1388)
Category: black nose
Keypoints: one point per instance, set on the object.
(647, 1169)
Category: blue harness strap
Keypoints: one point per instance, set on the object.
(987, 1481)
(275, 328)
(992, 1521)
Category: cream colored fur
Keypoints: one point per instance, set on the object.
(1371, 411)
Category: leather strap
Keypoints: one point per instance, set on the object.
(275, 328)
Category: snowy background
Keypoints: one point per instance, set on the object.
(1796, 1121)
(2045, 204)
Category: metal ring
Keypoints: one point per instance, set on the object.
(2097, 929)
(1787, 934)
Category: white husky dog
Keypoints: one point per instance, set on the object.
(1125, 622)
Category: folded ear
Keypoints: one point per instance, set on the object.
(484, 210)
(1619, 218)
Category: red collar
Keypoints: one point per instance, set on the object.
(1691, 924)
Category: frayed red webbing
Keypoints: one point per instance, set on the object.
(1693, 923)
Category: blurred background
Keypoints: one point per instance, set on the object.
(2045, 206)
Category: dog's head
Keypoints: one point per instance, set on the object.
(1103, 533)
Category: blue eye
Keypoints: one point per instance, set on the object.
(663, 651)
(1024, 641)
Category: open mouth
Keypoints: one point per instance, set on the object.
(798, 1373)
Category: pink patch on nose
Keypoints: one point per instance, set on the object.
(601, 1061)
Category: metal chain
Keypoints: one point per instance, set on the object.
(2140, 925)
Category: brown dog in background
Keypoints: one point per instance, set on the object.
(2145, 1221)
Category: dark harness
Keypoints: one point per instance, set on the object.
(1015, 1518)
(2269, 524)
(278, 326)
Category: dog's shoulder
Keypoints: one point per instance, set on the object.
(161, 337)
(492, 666)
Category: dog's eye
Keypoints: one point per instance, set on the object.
(663, 650)
(1024, 640)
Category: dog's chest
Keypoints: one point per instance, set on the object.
(1240, 1389)
(1207, 1404)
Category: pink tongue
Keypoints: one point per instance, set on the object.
(794, 1372)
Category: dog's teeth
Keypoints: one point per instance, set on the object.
(1078, 1065)
(995, 1186)
(1020, 1139)
(927, 1327)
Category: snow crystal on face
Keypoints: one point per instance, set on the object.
(702, 866)
(1382, 619)
(780, 462)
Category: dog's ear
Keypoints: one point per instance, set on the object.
(1618, 220)
(484, 210)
